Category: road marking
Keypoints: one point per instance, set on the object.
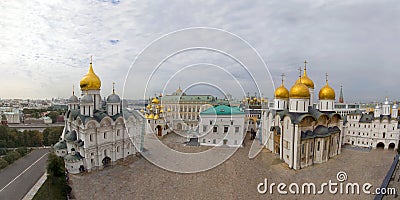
(22, 172)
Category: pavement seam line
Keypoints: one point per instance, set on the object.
(23, 172)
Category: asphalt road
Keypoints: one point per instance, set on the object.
(18, 178)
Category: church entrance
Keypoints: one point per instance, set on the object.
(106, 161)
(159, 130)
(380, 145)
(391, 146)
(179, 127)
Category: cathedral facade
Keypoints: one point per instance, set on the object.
(97, 133)
(299, 131)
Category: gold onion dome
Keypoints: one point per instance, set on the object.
(90, 81)
(281, 92)
(305, 79)
(299, 91)
(326, 92)
(155, 101)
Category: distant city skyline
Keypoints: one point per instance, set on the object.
(46, 45)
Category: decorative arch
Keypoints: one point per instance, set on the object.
(106, 121)
(91, 124)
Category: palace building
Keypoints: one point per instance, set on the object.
(379, 129)
(184, 108)
(300, 132)
(98, 133)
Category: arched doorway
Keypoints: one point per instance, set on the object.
(159, 130)
(391, 146)
(179, 127)
(106, 161)
(380, 145)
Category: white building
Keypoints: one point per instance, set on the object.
(222, 125)
(95, 134)
(298, 133)
(185, 108)
(377, 130)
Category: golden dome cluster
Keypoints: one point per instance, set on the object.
(301, 89)
(90, 81)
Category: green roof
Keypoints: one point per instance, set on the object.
(60, 145)
(222, 110)
(71, 158)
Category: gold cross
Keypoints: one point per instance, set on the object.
(326, 77)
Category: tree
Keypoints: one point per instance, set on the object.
(55, 165)
(22, 150)
(3, 163)
(53, 115)
(52, 135)
(12, 156)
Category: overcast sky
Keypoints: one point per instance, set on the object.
(45, 46)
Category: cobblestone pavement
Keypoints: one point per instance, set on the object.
(237, 178)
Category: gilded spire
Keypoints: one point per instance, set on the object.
(283, 75)
(73, 89)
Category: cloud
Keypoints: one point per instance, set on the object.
(48, 43)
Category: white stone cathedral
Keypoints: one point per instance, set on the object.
(299, 133)
(98, 133)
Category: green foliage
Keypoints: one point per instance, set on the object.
(55, 166)
(54, 188)
(3, 163)
(52, 135)
(53, 115)
(22, 151)
(11, 138)
(12, 156)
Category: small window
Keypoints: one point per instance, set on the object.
(204, 128)
(90, 137)
(105, 135)
(118, 132)
(237, 129)
(211, 122)
(318, 144)
(204, 140)
(226, 128)
(231, 122)
(215, 129)
(214, 141)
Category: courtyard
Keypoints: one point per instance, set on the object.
(236, 178)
